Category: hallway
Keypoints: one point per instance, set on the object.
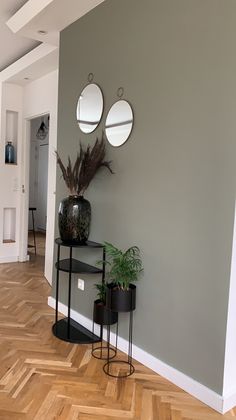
(44, 378)
(40, 239)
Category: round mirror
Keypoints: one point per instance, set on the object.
(89, 108)
(119, 123)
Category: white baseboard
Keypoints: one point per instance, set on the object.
(25, 258)
(4, 260)
(188, 384)
(229, 402)
(13, 259)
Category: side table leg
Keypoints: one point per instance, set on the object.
(108, 343)
(69, 296)
(57, 284)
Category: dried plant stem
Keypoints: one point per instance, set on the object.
(88, 162)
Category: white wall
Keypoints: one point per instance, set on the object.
(10, 186)
(229, 384)
(40, 97)
(9, 223)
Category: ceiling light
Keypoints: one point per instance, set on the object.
(43, 130)
(42, 32)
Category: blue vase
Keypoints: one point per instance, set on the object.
(9, 153)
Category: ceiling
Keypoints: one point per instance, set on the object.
(50, 16)
(21, 21)
(12, 46)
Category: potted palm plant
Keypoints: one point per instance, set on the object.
(124, 267)
(75, 211)
(101, 314)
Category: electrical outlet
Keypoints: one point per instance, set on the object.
(80, 284)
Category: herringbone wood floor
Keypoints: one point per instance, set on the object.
(44, 378)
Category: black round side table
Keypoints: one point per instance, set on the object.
(66, 328)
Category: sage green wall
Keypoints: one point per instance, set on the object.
(173, 191)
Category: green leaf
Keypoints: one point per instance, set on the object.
(123, 267)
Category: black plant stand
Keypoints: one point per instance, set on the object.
(104, 349)
(120, 300)
(67, 329)
(128, 362)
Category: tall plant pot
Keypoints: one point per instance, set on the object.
(121, 300)
(74, 219)
(104, 316)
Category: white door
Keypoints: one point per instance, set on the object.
(42, 187)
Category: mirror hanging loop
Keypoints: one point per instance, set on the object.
(120, 92)
(90, 77)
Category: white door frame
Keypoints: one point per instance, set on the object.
(24, 200)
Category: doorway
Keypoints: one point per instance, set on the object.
(38, 185)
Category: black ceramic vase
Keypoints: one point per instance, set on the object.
(119, 300)
(74, 219)
(102, 315)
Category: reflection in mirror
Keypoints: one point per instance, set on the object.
(119, 123)
(89, 108)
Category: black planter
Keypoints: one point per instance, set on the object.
(121, 300)
(74, 219)
(102, 315)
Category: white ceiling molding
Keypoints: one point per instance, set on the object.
(35, 64)
(33, 16)
(51, 16)
(10, 7)
(26, 13)
(12, 46)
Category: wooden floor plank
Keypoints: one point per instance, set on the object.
(44, 378)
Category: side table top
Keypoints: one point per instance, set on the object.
(88, 244)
